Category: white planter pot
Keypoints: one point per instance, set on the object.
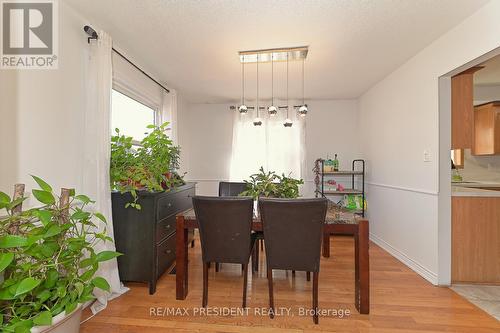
(62, 323)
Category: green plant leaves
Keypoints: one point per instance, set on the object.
(43, 185)
(51, 278)
(107, 255)
(9, 241)
(40, 265)
(44, 197)
(80, 215)
(52, 231)
(44, 318)
(26, 285)
(5, 260)
(4, 200)
(84, 199)
(45, 216)
(101, 283)
(70, 307)
(100, 217)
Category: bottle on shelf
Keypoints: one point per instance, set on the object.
(335, 163)
(328, 164)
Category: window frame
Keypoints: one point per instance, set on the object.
(132, 96)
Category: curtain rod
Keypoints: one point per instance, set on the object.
(93, 35)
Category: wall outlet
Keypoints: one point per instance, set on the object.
(427, 156)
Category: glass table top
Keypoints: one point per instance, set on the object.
(334, 215)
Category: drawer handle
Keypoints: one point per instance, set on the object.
(168, 251)
(169, 205)
(167, 226)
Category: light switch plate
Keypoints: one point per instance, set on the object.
(427, 156)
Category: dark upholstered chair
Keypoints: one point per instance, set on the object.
(233, 189)
(225, 226)
(293, 231)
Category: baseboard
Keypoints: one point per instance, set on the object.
(412, 264)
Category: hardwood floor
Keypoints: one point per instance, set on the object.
(401, 301)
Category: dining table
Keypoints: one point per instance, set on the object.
(338, 221)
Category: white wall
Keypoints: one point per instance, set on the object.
(399, 119)
(481, 168)
(42, 114)
(205, 136)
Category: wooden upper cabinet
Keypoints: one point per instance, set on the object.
(486, 135)
(462, 109)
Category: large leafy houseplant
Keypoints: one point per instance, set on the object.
(48, 258)
(151, 166)
(270, 184)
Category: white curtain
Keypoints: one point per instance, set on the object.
(271, 145)
(96, 156)
(168, 112)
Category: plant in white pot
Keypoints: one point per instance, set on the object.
(48, 262)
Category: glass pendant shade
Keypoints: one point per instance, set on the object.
(243, 109)
(288, 123)
(257, 121)
(303, 110)
(272, 110)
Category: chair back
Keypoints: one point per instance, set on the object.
(293, 232)
(231, 189)
(225, 226)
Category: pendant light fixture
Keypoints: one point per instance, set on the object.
(272, 109)
(272, 55)
(257, 121)
(288, 121)
(243, 109)
(303, 108)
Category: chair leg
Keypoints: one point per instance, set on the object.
(293, 273)
(308, 276)
(217, 266)
(256, 262)
(245, 284)
(205, 285)
(271, 295)
(315, 296)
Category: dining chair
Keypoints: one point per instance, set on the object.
(293, 231)
(225, 225)
(235, 189)
(231, 189)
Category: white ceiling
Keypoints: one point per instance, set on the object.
(192, 45)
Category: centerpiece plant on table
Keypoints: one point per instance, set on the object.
(270, 184)
(150, 166)
(48, 260)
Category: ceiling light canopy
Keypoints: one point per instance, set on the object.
(279, 54)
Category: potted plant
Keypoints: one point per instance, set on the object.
(48, 262)
(270, 184)
(151, 166)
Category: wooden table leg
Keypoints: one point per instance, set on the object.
(181, 263)
(362, 269)
(326, 244)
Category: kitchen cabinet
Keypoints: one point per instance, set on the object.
(486, 139)
(475, 239)
(462, 108)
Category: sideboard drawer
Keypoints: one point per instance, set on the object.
(165, 254)
(175, 203)
(165, 227)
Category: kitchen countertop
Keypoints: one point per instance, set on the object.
(470, 189)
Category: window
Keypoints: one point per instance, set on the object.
(130, 116)
(272, 146)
